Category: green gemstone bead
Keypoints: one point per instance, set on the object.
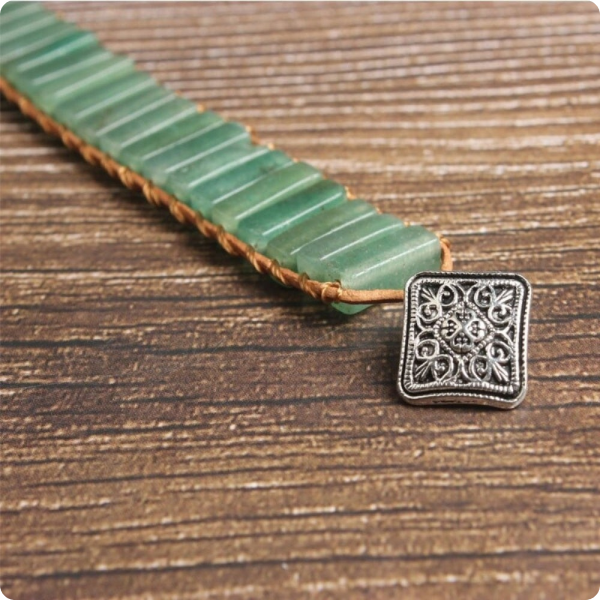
(264, 225)
(24, 25)
(271, 189)
(159, 165)
(138, 129)
(386, 262)
(205, 196)
(133, 155)
(43, 75)
(182, 181)
(91, 103)
(91, 127)
(285, 247)
(15, 10)
(39, 78)
(33, 41)
(323, 257)
(48, 87)
(65, 45)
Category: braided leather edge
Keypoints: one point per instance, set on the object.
(327, 292)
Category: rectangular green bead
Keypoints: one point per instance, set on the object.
(51, 74)
(95, 69)
(23, 25)
(33, 41)
(269, 190)
(211, 193)
(65, 45)
(387, 262)
(15, 10)
(38, 77)
(285, 247)
(160, 165)
(90, 127)
(323, 257)
(262, 226)
(137, 129)
(134, 155)
(184, 180)
(92, 102)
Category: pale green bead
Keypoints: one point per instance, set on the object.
(160, 165)
(262, 226)
(207, 167)
(67, 44)
(387, 262)
(93, 102)
(197, 123)
(33, 41)
(113, 116)
(285, 247)
(324, 257)
(15, 10)
(209, 194)
(24, 25)
(66, 77)
(271, 189)
(147, 124)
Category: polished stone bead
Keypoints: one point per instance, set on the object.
(15, 10)
(160, 165)
(148, 123)
(31, 42)
(47, 87)
(25, 24)
(91, 103)
(182, 181)
(322, 257)
(262, 226)
(385, 262)
(133, 155)
(285, 247)
(273, 188)
(91, 127)
(205, 196)
(42, 75)
(67, 44)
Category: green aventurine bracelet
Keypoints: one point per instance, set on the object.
(467, 336)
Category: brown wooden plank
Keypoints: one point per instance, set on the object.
(177, 426)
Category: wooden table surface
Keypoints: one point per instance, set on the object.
(177, 426)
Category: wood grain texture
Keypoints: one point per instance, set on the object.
(177, 426)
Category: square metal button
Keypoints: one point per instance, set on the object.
(465, 339)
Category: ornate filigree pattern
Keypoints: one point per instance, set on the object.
(465, 339)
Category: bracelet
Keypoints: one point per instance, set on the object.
(465, 335)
